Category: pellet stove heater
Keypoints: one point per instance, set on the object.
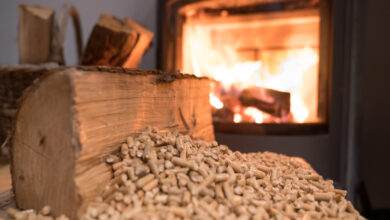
(269, 59)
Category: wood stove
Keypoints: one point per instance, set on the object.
(269, 60)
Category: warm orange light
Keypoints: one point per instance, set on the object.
(255, 113)
(293, 70)
(237, 118)
(215, 102)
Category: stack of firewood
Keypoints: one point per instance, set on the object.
(113, 42)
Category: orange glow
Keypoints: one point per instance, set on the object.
(215, 102)
(237, 118)
(293, 70)
(255, 113)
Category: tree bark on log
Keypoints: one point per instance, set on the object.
(13, 81)
(69, 121)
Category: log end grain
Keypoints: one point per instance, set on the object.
(44, 147)
(110, 43)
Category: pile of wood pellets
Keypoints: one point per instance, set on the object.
(166, 175)
(30, 214)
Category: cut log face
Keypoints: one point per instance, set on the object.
(35, 33)
(114, 42)
(273, 102)
(72, 119)
(111, 43)
(43, 149)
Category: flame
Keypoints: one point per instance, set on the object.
(255, 113)
(237, 118)
(289, 70)
(215, 101)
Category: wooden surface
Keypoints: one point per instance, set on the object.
(110, 43)
(144, 39)
(35, 33)
(43, 155)
(73, 118)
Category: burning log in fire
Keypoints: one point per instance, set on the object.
(254, 104)
(271, 101)
(241, 63)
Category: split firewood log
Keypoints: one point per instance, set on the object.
(144, 40)
(70, 120)
(42, 36)
(35, 33)
(115, 42)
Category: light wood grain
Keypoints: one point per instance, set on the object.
(35, 33)
(144, 40)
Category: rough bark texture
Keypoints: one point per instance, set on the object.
(6, 201)
(13, 81)
(69, 121)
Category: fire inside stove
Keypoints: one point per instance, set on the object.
(265, 66)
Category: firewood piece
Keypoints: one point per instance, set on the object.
(144, 40)
(274, 102)
(72, 119)
(35, 33)
(110, 44)
(13, 81)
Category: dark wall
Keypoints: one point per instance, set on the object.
(374, 133)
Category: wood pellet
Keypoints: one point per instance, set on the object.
(166, 175)
(171, 176)
(30, 214)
